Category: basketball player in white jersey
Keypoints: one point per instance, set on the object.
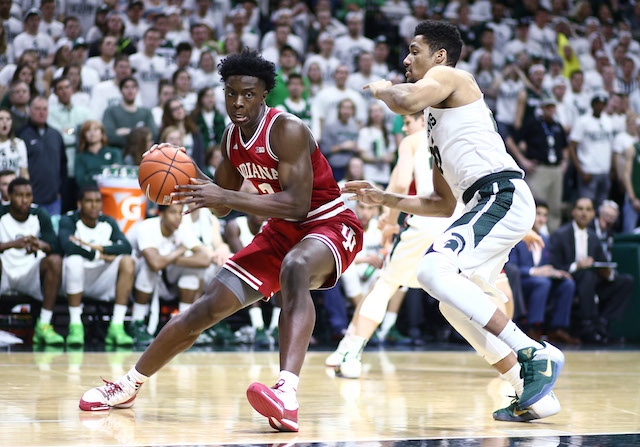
(473, 167)
(400, 269)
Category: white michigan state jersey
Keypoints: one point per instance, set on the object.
(465, 145)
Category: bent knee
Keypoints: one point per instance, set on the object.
(293, 267)
(127, 263)
(431, 270)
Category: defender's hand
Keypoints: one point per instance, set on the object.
(364, 192)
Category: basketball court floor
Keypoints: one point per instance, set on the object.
(416, 398)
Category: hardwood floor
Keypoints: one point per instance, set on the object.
(199, 399)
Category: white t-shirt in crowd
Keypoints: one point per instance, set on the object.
(13, 155)
(595, 143)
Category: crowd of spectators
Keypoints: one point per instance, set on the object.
(89, 84)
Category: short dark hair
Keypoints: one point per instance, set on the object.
(441, 35)
(183, 46)
(575, 72)
(293, 76)
(18, 181)
(89, 188)
(249, 63)
(120, 57)
(57, 81)
(162, 208)
(6, 172)
(541, 203)
(127, 79)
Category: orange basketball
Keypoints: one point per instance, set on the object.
(161, 171)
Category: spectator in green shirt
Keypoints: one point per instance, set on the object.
(93, 153)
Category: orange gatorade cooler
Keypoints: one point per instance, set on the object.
(122, 198)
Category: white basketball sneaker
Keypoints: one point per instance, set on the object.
(545, 407)
(120, 394)
(350, 368)
(337, 356)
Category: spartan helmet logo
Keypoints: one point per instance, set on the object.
(456, 243)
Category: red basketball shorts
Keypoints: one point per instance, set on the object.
(258, 264)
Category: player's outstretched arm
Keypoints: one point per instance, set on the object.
(441, 203)
(409, 98)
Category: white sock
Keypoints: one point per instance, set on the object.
(255, 314)
(135, 378)
(513, 377)
(290, 380)
(356, 346)
(182, 307)
(75, 314)
(351, 329)
(45, 316)
(119, 311)
(275, 318)
(140, 311)
(516, 339)
(388, 322)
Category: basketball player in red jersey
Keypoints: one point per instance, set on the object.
(309, 241)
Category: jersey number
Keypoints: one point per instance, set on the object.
(265, 188)
(349, 235)
(435, 153)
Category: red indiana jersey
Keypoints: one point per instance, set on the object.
(256, 162)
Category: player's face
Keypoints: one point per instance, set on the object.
(419, 60)
(412, 125)
(244, 100)
(171, 217)
(583, 212)
(541, 218)
(21, 198)
(91, 205)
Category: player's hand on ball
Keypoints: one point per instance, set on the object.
(364, 192)
(201, 194)
(163, 145)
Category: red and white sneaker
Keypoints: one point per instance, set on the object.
(120, 394)
(268, 402)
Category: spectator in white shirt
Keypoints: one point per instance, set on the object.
(107, 93)
(149, 68)
(205, 14)
(49, 25)
(590, 148)
(380, 58)
(542, 35)
(487, 40)
(104, 64)
(327, 100)
(135, 25)
(72, 30)
(363, 76)
(349, 46)
(30, 38)
(409, 22)
(325, 58)
(239, 26)
(578, 96)
(12, 26)
(201, 40)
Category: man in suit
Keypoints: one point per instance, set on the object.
(543, 284)
(576, 248)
